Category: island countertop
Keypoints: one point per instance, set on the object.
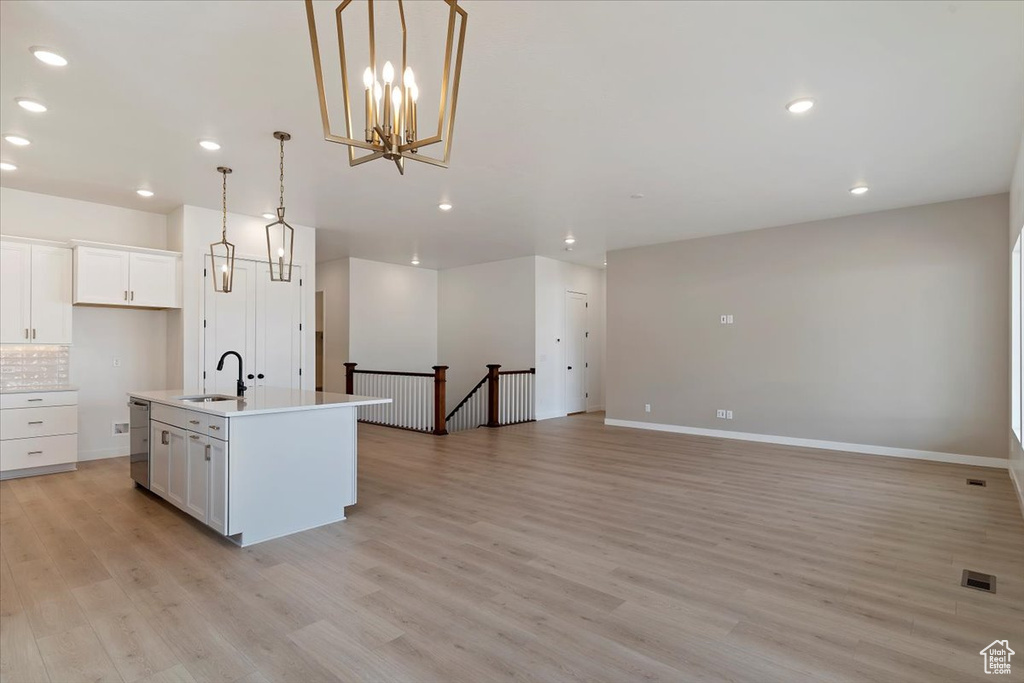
(258, 401)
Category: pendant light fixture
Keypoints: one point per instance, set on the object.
(222, 254)
(390, 113)
(280, 235)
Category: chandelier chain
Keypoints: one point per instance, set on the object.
(224, 206)
(282, 174)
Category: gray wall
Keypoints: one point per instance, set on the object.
(1016, 222)
(332, 280)
(888, 329)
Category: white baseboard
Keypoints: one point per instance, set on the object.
(101, 454)
(864, 449)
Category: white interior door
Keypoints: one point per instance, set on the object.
(575, 352)
(230, 326)
(51, 295)
(15, 295)
(278, 337)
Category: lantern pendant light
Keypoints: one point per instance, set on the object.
(280, 235)
(222, 254)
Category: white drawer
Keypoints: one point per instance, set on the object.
(22, 423)
(217, 426)
(17, 454)
(179, 417)
(39, 399)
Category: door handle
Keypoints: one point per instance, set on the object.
(133, 295)
(207, 451)
(33, 333)
(163, 437)
(26, 333)
(250, 376)
(126, 295)
(570, 367)
(259, 376)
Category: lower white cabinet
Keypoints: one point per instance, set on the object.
(190, 469)
(38, 433)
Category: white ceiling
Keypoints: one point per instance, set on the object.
(566, 109)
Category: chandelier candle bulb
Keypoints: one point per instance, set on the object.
(396, 101)
(368, 84)
(224, 278)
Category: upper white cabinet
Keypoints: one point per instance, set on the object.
(35, 293)
(111, 276)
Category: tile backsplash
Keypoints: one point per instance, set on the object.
(23, 366)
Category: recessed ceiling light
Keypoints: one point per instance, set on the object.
(860, 189)
(415, 261)
(48, 56)
(6, 166)
(209, 145)
(17, 140)
(31, 105)
(144, 193)
(269, 216)
(570, 240)
(445, 206)
(800, 106)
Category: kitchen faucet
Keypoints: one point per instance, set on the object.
(240, 387)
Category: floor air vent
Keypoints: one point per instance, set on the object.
(976, 482)
(979, 581)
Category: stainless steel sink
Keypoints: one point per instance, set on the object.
(208, 398)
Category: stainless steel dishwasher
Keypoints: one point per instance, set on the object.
(139, 437)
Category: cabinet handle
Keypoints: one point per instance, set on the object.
(33, 333)
(207, 451)
(133, 295)
(194, 437)
(193, 422)
(215, 428)
(35, 422)
(33, 400)
(26, 333)
(163, 437)
(126, 295)
(35, 452)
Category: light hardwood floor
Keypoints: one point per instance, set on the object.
(557, 551)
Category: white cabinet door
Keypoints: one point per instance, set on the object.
(159, 458)
(278, 315)
(230, 325)
(218, 479)
(51, 295)
(177, 458)
(101, 276)
(15, 292)
(153, 280)
(197, 497)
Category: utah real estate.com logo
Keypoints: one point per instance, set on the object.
(997, 657)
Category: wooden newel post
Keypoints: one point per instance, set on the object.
(492, 396)
(439, 400)
(350, 378)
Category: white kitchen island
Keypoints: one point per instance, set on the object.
(274, 463)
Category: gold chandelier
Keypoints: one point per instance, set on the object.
(390, 129)
(222, 253)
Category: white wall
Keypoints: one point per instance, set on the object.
(392, 316)
(332, 280)
(194, 232)
(138, 338)
(554, 279)
(485, 315)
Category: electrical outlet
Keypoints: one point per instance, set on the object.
(117, 362)
(726, 319)
(647, 407)
(728, 415)
(720, 414)
(118, 428)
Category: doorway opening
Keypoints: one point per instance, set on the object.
(320, 340)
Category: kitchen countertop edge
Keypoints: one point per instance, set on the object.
(352, 401)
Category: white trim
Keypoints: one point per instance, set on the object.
(1017, 489)
(864, 449)
(124, 247)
